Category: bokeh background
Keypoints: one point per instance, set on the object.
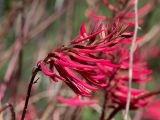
(29, 29)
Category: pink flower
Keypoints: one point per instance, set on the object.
(152, 111)
(76, 101)
(119, 97)
(122, 10)
(98, 60)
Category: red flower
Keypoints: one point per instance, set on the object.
(97, 60)
(153, 110)
(123, 11)
(75, 101)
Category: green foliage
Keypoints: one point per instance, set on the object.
(89, 114)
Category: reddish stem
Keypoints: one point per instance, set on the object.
(104, 107)
(11, 109)
(34, 73)
(114, 112)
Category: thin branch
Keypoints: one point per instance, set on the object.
(11, 109)
(139, 113)
(152, 34)
(18, 70)
(17, 46)
(104, 107)
(34, 99)
(76, 115)
(32, 34)
(114, 112)
(69, 21)
(131, 61)
(48, 110)
(16, 56)
(8, 22)
(45, 24)
(34, 73)
(147, 95)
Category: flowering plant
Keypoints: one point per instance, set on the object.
(102, 66)
(98, 59)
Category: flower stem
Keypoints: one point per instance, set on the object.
(147, 95)
(34, 73)
(11, 109)
(104, 107)
(131, 61)
(114, 112)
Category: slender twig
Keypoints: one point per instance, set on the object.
(34, 73)
(106, 96)
(18, 70)
(16, 78)
(11, 109)
(139, 113)
(32, 34)
(114, 112)
(8, 22)
(45, 24)
(12, 112)
(50, 108)
(17, 50)
(76, 114)
(69, 21)
(104, 107)
(131, 60)
(152, 34)
(147, 95)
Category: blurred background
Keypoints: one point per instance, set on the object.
(29, 29)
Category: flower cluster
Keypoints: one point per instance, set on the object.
(122, 9)
(98, 60)
(152, 110)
